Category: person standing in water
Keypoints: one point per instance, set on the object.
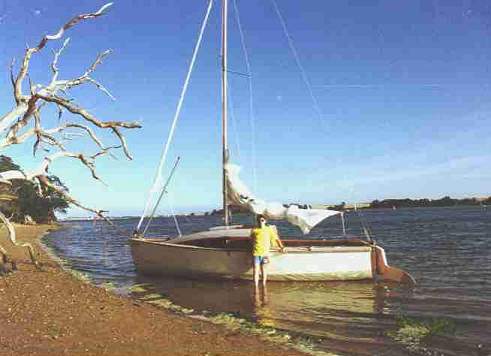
(263, 237)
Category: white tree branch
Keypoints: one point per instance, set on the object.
(102, 88)
(30, 51)
(13, 240)
(54, 64)
(28, 106)
(64, 85)
(99, 213)
(8, 119)
(24, 121)
(113, 125)
(74, 109)
(11, 70)
(42, 169)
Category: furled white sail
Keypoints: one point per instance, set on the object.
(239, 194)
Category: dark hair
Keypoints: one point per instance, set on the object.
(259, 217)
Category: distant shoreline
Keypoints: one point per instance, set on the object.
(334, 207)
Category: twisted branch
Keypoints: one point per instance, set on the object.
(113, 125)
(54, 64)
(27, 111)
(30, 51)
(44, 181)
(40, 175)
(28, 107)
(11, 70)
(11, 235)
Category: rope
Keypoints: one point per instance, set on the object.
(252, 118)
(158, 176)
(294, 51)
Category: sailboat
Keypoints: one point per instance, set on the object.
(225, 251)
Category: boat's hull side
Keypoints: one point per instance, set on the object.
(340, 263)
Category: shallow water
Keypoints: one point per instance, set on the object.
(447, 250)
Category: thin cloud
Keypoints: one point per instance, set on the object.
(457, 167)
(391, 86)
(371, 86)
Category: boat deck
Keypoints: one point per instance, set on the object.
(293, 245)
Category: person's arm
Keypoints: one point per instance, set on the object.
(277, 239)
(252, 236)
(280, 244)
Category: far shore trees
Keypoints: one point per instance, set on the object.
(28, 122)
(422, 203)
(21, 201)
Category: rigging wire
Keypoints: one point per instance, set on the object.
(158, 175)
(294, 51)
(364, 225)
(162, 192)
(252, 116)
(234, 121)
(171, 206)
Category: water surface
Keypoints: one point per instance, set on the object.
(447, 250)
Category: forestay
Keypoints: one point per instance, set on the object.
(239, 195)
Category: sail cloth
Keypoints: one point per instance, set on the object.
(239, 195)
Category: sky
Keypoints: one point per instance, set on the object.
(403, 89)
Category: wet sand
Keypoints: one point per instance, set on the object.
(52, 312)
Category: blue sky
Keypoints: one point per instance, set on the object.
(403, 88)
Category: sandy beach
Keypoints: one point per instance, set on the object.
(52, 312)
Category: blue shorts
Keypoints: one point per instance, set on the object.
(260, 260)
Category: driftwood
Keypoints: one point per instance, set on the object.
(25, 121)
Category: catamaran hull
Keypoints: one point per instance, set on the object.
(323, 264)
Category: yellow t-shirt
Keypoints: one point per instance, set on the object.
(262, 239)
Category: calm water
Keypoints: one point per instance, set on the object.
(447, 250)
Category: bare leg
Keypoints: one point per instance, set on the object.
(255, 268)
(264, 272)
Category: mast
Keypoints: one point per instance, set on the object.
(224, 110)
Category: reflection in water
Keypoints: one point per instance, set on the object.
(262, 311)
(447, 250)
(325, 311)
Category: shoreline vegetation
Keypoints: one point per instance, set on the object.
(22, 203)
(54, 312)
(376, 204)
(429, 203)
(445, 202)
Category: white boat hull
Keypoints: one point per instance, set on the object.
(319, 264)
(224, 253)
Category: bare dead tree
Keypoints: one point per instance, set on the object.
(24, 122)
